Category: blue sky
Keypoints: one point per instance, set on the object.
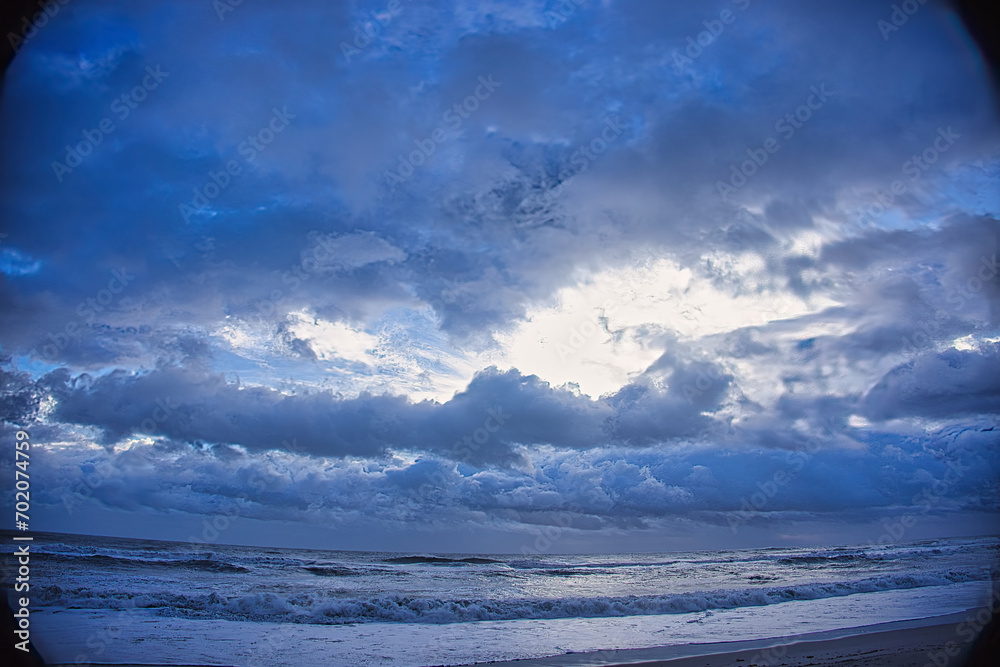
(493, 276)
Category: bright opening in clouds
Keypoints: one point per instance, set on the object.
(498, 265)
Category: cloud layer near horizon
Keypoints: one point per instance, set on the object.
(229, 269)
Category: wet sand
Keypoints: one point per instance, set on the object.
(903, 644)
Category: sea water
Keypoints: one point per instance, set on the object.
(419, 609)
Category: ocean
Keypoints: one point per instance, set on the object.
(132, 599)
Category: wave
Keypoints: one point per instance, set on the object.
(441, 560)
(104, 561)
(566, 572)
(548, 565)
(321, 570)
(238, 559)
(205, 564)
(332, 571)
(313, 608)
(820, 559)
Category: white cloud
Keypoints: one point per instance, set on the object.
(333, 340)
(612, 325)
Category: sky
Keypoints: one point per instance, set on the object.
(484, 276)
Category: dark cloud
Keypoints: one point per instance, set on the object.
(596, 491)
(214, 330)
(683, 132)
(939, 385)
(19, 397)
(486, 423)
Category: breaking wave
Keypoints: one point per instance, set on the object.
(317, 608)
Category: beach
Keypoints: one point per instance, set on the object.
(908, 643)
(122, 601)
(884, 645)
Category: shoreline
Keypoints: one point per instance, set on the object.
(893, 644)
(734, 638)
(897, 642)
